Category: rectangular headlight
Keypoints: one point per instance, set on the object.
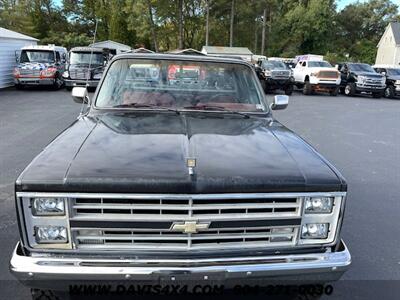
(314, 231)
(318, 205)
(51, 234)
(48, 206)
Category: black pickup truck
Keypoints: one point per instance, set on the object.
(392, 75)
(274, 75)
(174, 181)
(357, 78)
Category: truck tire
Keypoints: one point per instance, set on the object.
(289, 90)
(350, 89)
(58, 82)
(307, 90)
(390, 92)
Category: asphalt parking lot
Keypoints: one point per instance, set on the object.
(360, 136)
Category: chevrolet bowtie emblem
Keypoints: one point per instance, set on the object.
(190, 227)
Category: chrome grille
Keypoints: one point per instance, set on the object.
(27, 72)
(180, 222)
(238, 217)
(167, 240)
(373, 81)
(328, 74)
(80, 74)
(280, 74)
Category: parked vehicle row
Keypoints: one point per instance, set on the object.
(53, 66)
(313, 74)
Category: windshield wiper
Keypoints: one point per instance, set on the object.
(217, 108)
(142, 105)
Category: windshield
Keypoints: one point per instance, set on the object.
(361, 68)
(319, 64)
(393, 72)
(273, 65)
(180, 85)
(37, 56)
(83, 58)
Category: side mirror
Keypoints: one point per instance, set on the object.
(280, 102)
(17, 56)
(80, 95)
(383, 73)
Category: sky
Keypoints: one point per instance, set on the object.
(342, 3)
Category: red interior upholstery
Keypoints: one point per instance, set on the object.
(148, 98)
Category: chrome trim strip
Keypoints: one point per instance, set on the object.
(53, 268)
(181, 196)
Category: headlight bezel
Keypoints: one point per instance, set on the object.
(31, 221)
(334, 219)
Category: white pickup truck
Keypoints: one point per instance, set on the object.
(316, 76)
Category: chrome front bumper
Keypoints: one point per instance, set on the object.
(46, 270)
(34, 81)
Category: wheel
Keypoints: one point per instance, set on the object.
(350, 89)
(19, 86)
(69, 88)
(390, 92)
(58, 82)
(289, 90)
(334, 92)
(307, 90)
(377, 95)
(342, 90)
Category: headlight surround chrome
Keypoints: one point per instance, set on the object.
(328, 210)
(48, 206)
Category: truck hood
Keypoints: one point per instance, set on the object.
(369, 74)
(394, 77)
(148, 152)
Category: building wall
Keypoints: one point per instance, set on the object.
(7, 59)
(388, 53)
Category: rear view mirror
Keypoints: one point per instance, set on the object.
(280, 102)
(80, 95)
